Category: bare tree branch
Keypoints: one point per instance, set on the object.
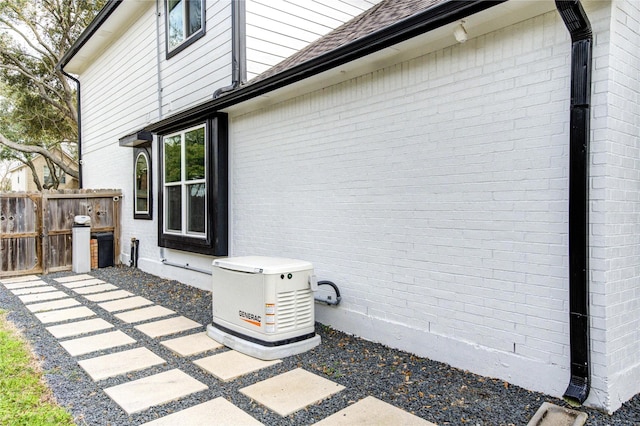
(35, 149)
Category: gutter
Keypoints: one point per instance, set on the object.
(238, 48)
(420, 23)
(579, 27)
(79, 113)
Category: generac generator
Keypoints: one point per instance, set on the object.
(264, 306)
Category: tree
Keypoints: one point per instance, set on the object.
(5, 166)
(38, 111)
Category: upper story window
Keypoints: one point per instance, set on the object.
(185, 23)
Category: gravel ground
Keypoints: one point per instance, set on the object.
(429, 389)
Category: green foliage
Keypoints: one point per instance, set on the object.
(38, 102)
(194, 152)
(24, 397)
(172, 159)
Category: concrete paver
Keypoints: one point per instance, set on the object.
(118, 363)
(78, 327)
(95, 288)
(52, 305)
(143, 314)
(41, 297)
(65, 314)
(33, 290)
(21, 279)
(167, 326)
(552, 415)
(97, 342)
(229, 365)
(217, 411)
(83, 283)
(192, 344)
(109, 295)
(374, 412)
(291, 391)
(161, 388)
(25, 284)
(125, 304)
(70, 278)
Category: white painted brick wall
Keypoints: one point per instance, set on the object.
(434, 193)
(617, 215)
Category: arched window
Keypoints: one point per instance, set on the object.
(142, 185)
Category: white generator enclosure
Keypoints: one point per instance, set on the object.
(264, 306)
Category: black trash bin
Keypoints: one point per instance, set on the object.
(105, 248)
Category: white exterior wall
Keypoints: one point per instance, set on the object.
(18, 178)
(434, 193)
(617, 303)
(120, 95)
(276, 29)
(191, 76)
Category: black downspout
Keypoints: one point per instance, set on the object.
(79, 124)
(579, 27)
(238, 50)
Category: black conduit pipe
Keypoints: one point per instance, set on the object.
(135, 245)
(577, 22)
(238, 50)
(335, 288)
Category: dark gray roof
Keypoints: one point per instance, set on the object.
(380, 16)
(384, 25)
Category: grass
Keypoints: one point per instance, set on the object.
(24, 398)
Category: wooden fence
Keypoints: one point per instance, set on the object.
(36, 228)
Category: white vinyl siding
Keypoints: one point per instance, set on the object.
(191, 76)
(276, 29)
(119, 88)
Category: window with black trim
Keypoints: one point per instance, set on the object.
(142, 202)
(185, 23)
(193, 192)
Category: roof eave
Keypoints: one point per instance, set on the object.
(97, 22)
(415, 25)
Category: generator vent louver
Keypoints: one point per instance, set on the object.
(294, 309)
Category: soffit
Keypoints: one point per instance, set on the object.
(127, 12)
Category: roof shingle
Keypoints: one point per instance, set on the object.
(380, 16)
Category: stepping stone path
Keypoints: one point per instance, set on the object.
(143, 314)
(83, 336)
(65, 314)
(192, 344)
(231, 365)
(112, 365)
(98, 342)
